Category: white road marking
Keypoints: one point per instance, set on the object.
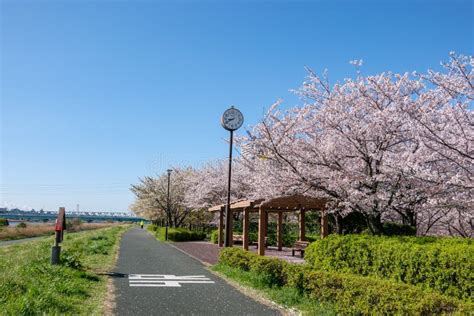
(165, 280)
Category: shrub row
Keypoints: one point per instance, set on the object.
(215, 236)
(287, 239)
(351, 294)
(177, 234)
(442, 264)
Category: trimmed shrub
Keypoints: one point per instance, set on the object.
(271, 269)
(442, 264)
(21, 225)
(236, 258)
(153, 227)
(215, 236)
(351, 294)
(395, 229)
(4, 222)
(178, 234)
(368, 296)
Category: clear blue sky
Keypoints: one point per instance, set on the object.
(95, 94)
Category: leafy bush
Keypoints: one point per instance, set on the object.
(350, 294)
(3, 222)
(215, 236)
(153, 227)
(21, 225)
(235, 257)
(395, 229)
(354, 294)
(73, 224)
(71, 260)
(442, 264)
(272, 270)
(179, 234)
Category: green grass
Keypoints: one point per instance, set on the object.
(30, 285)
(288, 297)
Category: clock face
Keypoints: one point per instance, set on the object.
(232, 119)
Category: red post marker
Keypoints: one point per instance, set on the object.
(59, 228)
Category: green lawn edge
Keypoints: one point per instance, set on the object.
(30, 285)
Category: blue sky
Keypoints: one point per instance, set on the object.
(95, 94)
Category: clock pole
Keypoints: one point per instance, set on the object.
(231, 120)
(228, 212)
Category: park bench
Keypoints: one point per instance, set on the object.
(237, 239)
(299, 246)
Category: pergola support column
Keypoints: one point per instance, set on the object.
(302, 235)
(280, 231)
(324, 224)
(246, 229)
(261, 231)
(266, 223)
(230, 231)
(220, 238)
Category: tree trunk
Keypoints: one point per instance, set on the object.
(338, 220)
(374, 223)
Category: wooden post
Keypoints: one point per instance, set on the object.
(302, 225)
(220, 239)
(280, 230)
(266, 223)
(231, 228)
(261, 231)
(245, 241)
(324, 224)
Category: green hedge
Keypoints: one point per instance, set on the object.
(395, 229)
(350, 294)
(215, 236)
(442, 264)
(177, 234)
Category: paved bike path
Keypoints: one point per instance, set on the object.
(141, 253)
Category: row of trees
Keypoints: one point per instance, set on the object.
(396, 147)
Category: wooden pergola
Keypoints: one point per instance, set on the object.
(296, 203)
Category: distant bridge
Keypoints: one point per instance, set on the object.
(84, 216)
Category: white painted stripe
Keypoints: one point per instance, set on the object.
(174, 279)
(163, 276)
(188, 281)
(167, 284)
(166, 280)
(170, 277)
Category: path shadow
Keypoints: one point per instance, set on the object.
(115, 274)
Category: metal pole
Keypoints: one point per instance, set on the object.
(168, 206)
(56, 250)
(228, 213)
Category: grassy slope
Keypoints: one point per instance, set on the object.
(30, 285)
(285, 296)
(13, 233)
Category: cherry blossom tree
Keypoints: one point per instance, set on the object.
(378, 145)
(209, 184)
(444, 122)
(151, 196)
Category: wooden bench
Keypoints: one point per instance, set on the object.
(299, 246)
(237, 239)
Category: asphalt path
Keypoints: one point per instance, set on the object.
(140, 253)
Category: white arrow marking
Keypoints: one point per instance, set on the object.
(165, 280)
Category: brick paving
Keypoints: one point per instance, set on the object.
(202, 250)
(209, 253)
